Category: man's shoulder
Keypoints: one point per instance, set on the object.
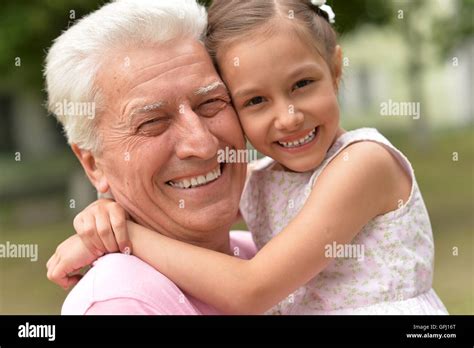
(126, 269)
(119, 276)
(116, 264)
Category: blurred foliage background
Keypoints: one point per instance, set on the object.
(399, 50)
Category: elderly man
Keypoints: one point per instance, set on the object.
(161, 112)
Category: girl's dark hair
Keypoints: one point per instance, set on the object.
(233, 20)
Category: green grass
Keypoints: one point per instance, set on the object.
(447, 187)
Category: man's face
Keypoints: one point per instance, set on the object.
(166, 115)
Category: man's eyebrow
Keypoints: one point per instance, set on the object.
(146, 108)
(157, 105)
(209, 88)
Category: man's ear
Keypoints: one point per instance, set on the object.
(94, 173)
(337, 64)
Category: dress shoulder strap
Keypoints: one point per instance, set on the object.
(357, 135)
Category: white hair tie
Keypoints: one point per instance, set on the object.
(321, 4)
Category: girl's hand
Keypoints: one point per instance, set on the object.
(70, 256)
(102, 227)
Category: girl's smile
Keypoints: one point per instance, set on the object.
(299, 142)
(285, 94)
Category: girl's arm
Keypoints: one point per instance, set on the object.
(367, 181)
(101, 228)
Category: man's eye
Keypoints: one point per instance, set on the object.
(150, 123)
(154, 127)
(211, 107)
(302, 83)
(254, 101)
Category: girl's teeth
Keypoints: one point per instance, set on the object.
(299, 142)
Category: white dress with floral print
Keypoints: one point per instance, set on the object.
(394, 276)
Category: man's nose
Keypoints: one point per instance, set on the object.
(195, 138)
(288, 118)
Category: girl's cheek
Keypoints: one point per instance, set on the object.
(253, 133)
(328, 108)
(250, 134)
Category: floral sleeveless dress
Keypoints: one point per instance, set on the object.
(394, 276)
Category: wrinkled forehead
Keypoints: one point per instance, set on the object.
(130, 69)
(170, 73)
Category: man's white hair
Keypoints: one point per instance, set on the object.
(76, 55)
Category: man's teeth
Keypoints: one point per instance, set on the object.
(299, 142)
(198, 180)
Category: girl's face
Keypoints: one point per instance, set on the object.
(286, 97)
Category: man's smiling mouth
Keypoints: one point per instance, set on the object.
(198, 180)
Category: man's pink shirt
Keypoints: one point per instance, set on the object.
(123, 284)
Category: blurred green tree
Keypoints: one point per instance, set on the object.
(443, 25)
(27, 28)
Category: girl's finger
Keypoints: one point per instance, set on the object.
(51, 268)
(72, 280)
(59, 275)
(118, 220)
(88, 232)
(49, 264)
(49, 261)
(104, 230)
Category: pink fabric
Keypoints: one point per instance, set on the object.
(122, 284)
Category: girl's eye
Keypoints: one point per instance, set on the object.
(254, 101)
(302, 83)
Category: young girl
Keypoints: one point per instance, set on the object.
(337, 216)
